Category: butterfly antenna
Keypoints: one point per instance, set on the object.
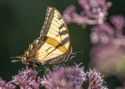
(15, 59)
(79, 52)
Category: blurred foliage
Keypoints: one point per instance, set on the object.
(21, 22)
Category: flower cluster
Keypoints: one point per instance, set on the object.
(71, 77)
(95, 80)
(26, 79)
(109, 44)
(60, 77)
(108, 38)
(94, 12)
(105, 33)
(64, 78)
(5, 85)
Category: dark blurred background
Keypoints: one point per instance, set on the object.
(21, 22)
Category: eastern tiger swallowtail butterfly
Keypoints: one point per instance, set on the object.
(53, 45)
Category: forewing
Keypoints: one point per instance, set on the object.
(55, 27)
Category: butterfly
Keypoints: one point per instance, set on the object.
(53, 45)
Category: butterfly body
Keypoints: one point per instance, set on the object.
(53, 45)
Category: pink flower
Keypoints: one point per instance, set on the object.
(27, 79)
(118, 21)
(72, 77)
(94, 12)
(5, 85)
(60, 77)
(95, 80)
(107, 54)
(69, 77)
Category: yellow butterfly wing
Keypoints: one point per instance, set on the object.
(57, 44)
(53, 45)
